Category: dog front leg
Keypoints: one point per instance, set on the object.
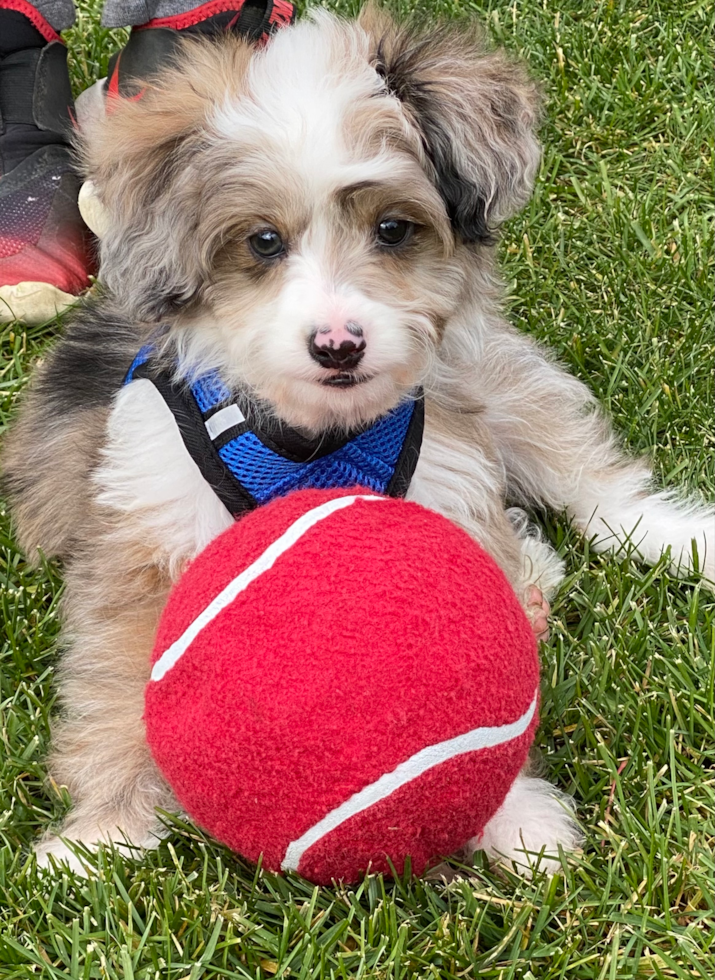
(152, 512)
(459, 476)
(112, 605)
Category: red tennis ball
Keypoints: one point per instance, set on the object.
(340, 679)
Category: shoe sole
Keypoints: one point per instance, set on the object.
(33, 302)
(90, 105)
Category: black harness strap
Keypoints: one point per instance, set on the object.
(410, 453)
(189, 418)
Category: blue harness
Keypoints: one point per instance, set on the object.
(249, 457)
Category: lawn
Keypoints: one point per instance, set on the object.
(610, 264)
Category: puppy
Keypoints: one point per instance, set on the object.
(345, 181)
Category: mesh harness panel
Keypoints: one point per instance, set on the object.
(249, 459)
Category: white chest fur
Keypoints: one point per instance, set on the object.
(148, 473)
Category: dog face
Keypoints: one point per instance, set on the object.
(308, 217)
(329, 287)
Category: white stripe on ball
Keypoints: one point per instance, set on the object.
(420, 762)
(237, 585)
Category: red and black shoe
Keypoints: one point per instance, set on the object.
(46, 254)
(46, 249)
(152, 45)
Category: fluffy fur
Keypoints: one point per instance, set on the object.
(331, 129)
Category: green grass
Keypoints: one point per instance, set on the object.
(611, 264)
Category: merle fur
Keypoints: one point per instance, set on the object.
(82, 373)
(87, 366)
(466, 204)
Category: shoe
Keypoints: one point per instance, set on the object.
(46, 251)
(152, 45)
(46, 248)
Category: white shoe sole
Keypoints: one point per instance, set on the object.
(90, 105)
(33, 302)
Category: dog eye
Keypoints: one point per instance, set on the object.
(267, 244)
(394, 231)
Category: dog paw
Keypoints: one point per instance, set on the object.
(53, 852)
(78, 844)
(534, 823)
(537, 610)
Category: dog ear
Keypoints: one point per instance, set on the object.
(476, 111)
(141, 157)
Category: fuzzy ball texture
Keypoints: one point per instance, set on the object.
(382, 631)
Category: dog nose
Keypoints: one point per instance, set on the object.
(339, 348)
